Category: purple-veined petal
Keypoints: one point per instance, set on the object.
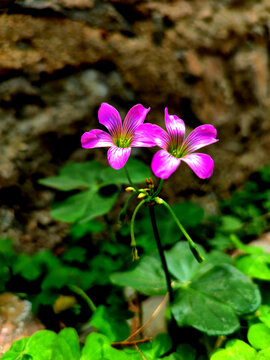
(201, 136)
(201, 164)
(147, 135)
(135, 117)
(164, 164)
(96, 138)
(109, 117)
(118, 157)
(175, 127)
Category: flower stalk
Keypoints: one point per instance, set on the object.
(133, 242)
(161, 252)
(193, 247)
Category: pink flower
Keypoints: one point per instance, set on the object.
(121, 138)
(176, 148)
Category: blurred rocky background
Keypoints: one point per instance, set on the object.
(208, 61)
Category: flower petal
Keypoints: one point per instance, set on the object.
(118, 157)
(201, 164)
(201, 136)
(96, 138)
(109, 117)
(135, 117)
(164, 164)
(147, 135)
(175, 127)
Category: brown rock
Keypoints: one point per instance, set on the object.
(16, 320)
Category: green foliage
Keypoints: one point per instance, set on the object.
(198, 289)
(96, 185)
(147, 278)
(235, 350)
(79, 230)
(244, 214)
(263, 314)
(46, 345)
(74, 176)
(259, 336)
(110, 324)
(254, 262)
(215, 297)
(153, 350)
(98, 346)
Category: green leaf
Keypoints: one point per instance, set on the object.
(114, 328)
(78, 230)
(67, 345)
(16, 350)
(45, 345)
(157, 347)
(214, 297)
(63, 183)
(181, 262)
(74, 176)
(152, 350)
(230, 223)
(254, 265)
(263, 314)
(147, 277)
(263, 354)
(137, 169)
(221, 242)
(66, 275)
(27, 266)
(227, 284)
(73, 207)
(210, 296)
(204, 313)
(249, 249)
(235, 350)
(98, 205)
(76, 253)
(38, 346)
(259, 336)
(33, 266)
(97, 347)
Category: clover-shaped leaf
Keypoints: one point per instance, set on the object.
(208, 296)
(74, 176)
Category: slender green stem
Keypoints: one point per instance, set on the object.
(159, 187)
(133, 242)
(84, 296)
(129, 178)
(192, 245)
(124, 210)
(161, 252)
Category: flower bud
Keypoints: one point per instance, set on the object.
(158, 200)
(130, 189)
(141, 195)
(149, 181)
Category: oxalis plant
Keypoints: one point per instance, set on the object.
(133, 132)
(209, 297)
